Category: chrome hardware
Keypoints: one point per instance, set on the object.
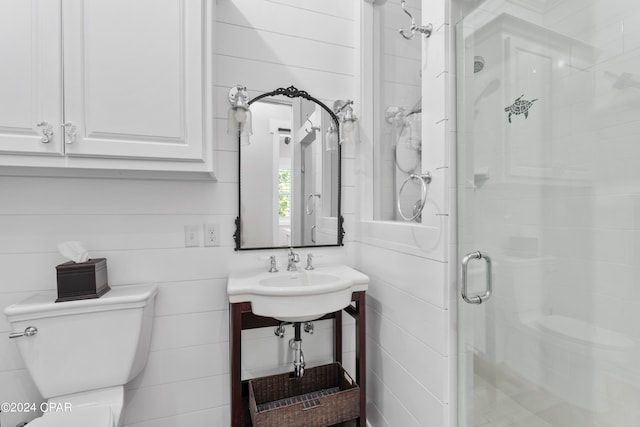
(312, 128)
(47, 132)
(279, 330)
(308, 327)
(28, 332)
(238, 97)
(298, 357)
(314, 229)
(309, 262)
(310, 206)
(69, 132)
(476, 299)
(272, 261)
(417, 209)
(424, 179)
(293, 259)
(422, 29)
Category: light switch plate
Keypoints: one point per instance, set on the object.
(191, 236)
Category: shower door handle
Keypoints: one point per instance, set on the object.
(476, 299)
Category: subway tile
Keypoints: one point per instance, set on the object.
(422, 320)
(176, 398)
(422, 278)
(421, 404)
(183, 364)
(40, 196)
(191, 329)
(387, 403)
(191, 297)
(291, 19)
(220, 415)
(425, 365)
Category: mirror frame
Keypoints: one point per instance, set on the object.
(292, 92)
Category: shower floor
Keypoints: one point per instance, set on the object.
(505, 399)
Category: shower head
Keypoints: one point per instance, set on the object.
(478, 64)
(417, 108)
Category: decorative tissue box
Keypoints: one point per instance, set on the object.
(82, 280)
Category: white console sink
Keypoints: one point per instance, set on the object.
(297, 296)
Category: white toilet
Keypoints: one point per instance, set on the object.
(84, 352)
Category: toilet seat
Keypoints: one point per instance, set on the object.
(99, 416)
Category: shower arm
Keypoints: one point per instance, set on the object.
(422, 29)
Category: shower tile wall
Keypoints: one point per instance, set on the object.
(138, 225)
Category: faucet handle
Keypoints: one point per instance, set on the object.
(293, 259)
(309, 262)
(272, 261)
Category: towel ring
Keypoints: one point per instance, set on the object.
(424, 179)
(416, 163)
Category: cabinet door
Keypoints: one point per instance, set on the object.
(30, 76)
(135, 78)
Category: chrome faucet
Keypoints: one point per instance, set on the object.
(293, 258)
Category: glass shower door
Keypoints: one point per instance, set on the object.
(549, 213)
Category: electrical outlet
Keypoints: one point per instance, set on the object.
(191, 236)
(212, 234)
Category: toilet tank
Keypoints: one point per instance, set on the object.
(87, 344)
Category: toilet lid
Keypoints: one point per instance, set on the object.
(81, 417)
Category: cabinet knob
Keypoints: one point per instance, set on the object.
(69, 132)
(47, 132)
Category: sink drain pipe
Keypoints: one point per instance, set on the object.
(298, 355)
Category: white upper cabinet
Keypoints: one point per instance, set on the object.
(30, 77)
(130, 79)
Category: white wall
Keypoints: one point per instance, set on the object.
(398, 85)
(138, 224)
(411, 345)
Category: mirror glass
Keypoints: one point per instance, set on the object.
(289, 176)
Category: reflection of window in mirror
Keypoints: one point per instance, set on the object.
(282, 139)
(284, 193)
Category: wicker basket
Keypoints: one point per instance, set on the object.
(324, 396)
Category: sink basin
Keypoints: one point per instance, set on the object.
(296, 279)
(297, 296)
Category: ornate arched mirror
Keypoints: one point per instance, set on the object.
(290, 170)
